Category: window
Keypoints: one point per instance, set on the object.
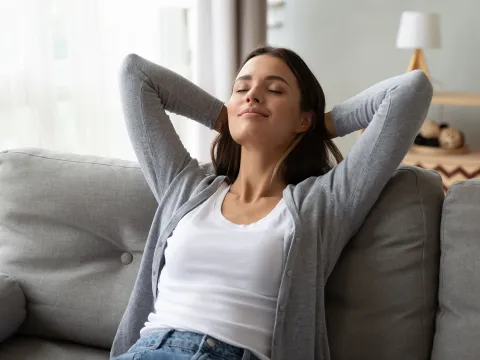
(59, 64)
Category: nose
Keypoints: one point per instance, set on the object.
(253, 96)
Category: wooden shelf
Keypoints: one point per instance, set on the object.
(472, 158)
(456, 98)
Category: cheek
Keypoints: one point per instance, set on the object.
(285, 115)
(233, 107)
(232, 111)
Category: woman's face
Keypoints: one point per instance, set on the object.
(264, 108)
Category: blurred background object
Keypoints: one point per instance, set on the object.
(418, 31)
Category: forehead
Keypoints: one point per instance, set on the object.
(267, 65)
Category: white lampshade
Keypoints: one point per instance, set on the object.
(418, 30)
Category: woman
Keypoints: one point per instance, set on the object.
(252, 242)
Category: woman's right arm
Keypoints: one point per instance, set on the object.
(147, 90)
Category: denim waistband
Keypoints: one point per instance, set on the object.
(191, 341)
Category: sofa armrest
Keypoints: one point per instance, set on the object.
(12, 306)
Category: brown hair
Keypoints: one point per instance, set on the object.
(309, 154)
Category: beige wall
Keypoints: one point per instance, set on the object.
(350, 45)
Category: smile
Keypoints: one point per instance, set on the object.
(253, 112)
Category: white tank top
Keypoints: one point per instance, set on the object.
(222, 279)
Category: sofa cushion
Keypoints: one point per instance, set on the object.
(72, 233)
(12, 306)
(381, 298)
(458, 319)
(33, 348)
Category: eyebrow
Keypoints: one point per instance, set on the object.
(269, 77)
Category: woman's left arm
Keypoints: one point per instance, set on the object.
(392, 112)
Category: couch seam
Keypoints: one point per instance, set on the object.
(441, 308)
(72, 161)
(423, 253)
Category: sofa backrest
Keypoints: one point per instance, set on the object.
(458, 319)
(72, 233)
(73, 229)
(381, 298)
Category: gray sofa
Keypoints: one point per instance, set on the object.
(73, 227)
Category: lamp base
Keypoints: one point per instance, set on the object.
(418, 62)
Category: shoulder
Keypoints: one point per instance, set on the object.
(208, 168)
(308, 193)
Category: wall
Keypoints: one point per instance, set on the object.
(350, 45)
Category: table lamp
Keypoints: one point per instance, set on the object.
(418, 30)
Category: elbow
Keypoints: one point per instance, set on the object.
(420, 82)
(129, 65)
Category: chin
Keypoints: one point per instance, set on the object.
(253, 141)
(248, 133)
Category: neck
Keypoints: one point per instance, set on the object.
(254, 179)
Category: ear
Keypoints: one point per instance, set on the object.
(304, 122)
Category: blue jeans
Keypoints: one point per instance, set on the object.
(183, 345)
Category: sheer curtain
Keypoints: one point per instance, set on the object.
(59, 62)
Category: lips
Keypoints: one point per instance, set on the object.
(253, 111)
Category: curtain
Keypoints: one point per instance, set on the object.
(59, 62)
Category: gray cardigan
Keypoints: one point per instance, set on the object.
(327, 210)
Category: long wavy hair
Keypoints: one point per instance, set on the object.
(310, 154)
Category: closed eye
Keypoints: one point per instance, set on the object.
(272, 91)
